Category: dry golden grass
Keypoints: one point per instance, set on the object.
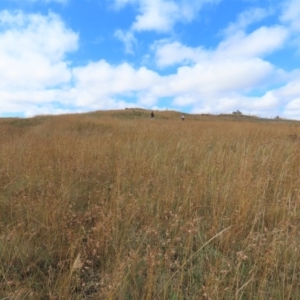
(118, 206)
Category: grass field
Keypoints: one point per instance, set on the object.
(114, 205)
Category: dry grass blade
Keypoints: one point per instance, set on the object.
(195, 253)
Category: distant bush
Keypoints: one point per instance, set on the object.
(237, 112)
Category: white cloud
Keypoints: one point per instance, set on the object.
(156, 15)
(291, 14)
(113, 79)
(170, 53)
(240, 45)
(162, 15)
(32, 57)
(260, 42)
(293, 105)
(214, 80)
(32, 51)
(290, 90)
(246, 18)
(283, 101)
(100, 81)
(266, 105)
(127, 38)
(147, 99)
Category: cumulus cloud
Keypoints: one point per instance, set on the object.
(237, 46)
(33, 52)
(168, 53)
(99, 81)
(260, 42)
(203, 85)
(162, 15)
(156, 15)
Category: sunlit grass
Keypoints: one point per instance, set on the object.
(101, 206)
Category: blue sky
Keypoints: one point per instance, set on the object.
(196, 56)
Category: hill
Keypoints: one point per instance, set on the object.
(116, 205)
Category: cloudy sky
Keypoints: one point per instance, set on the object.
(196, 56)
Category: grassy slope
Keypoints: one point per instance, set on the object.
(114, 205)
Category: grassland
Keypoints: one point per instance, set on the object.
(118, 206)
